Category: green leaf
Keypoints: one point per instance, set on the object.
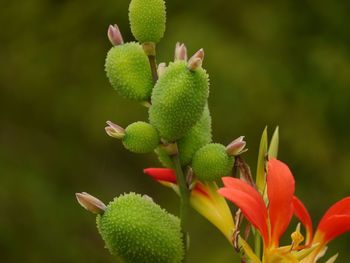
(260, 171)
(273, 149)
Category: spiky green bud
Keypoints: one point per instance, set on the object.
(211, 162)
(178, 100)
(140, 137)
(138, 230)
(198, 136)
(147, 20)
(129, 72)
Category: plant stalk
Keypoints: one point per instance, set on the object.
(257, 244)
(184, 199)
(150, 50)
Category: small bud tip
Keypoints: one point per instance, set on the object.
(90, 203)
(180, 52)
(115, 131)
(236, 147)
(114, 35)
(194, 63)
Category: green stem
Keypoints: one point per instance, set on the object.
(153, 64)
(150, 50)
(257, 244)
(184, 199)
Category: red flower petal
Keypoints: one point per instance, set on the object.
(341, 207)
(243, 186)
(249, 201)
(303, 215)
(336, 220)
(333, 227)
(280, 191)
(161, 174)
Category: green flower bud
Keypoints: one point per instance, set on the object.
(129, 72)
(198, 136)
(138, 230)
(211, 162)
(147, 20)
(140, 137)
(178, 100)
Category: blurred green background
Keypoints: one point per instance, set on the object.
(271, 63)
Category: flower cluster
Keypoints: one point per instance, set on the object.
(178, 130)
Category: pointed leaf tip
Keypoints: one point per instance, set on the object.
(274, 144)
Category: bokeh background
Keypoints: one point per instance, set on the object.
(283, 63)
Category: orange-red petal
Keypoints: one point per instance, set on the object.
(336, 220)
(280, 191)
(161, 174)
(341, 207)
(249, 201)
(333, 227)
(303, 215)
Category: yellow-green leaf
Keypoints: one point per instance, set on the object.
(273, 149)
(260, 171)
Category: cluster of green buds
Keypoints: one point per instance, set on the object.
(176, 95)
(178, 128)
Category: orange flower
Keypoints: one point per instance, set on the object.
(334, 222)
(272, 220)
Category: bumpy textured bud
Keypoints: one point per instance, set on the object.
(129, 72)
(147, 20)
(140, 137)
(138, 230)
(178, 100)
(198, 136)
(211, 162)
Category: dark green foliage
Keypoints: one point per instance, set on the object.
(140, 231)
(211, 162)
(147, 19)
(129, 72)
(178, 100)
(140, 137)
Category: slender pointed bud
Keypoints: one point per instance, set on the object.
(114, 35)
(199, 54)
(114, 130)
(236, 147)
(180, 52)
(194, 63)
(91, 203)
(161, 68)
(196, 60)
